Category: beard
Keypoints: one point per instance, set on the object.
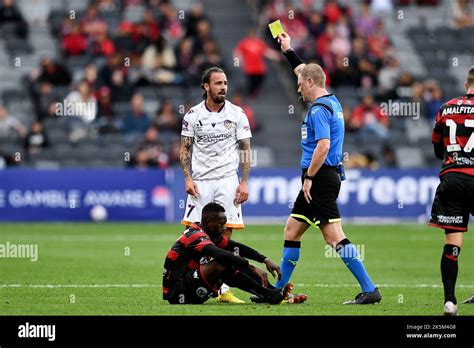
(218, 98)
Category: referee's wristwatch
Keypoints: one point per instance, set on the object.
(306, 176)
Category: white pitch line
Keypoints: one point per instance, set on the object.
(54, 286)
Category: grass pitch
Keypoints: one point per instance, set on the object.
(116, 269)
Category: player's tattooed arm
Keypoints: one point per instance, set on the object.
(244, 146)
(185, 155)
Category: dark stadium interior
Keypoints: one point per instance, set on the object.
(139, 63)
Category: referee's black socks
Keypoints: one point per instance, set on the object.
(449, 271)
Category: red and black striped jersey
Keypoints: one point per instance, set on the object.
(454, 131)
(186, 254)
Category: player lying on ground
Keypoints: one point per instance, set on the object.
(453, 140)
(322, 137)
(201, 259)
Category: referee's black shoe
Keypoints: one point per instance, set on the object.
(366, 298)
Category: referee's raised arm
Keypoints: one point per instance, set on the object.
(296, 63)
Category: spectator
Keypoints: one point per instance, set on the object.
(84, 101)
(120, 88)
(463, 14)
(252, 51)
(52, 72)
(185, 61)
(91, 23)
(10, 124)
(153, 149)
(434, 98)
(6, 159)
(388, 75)
(210, 57)
(43, 98)
(195, 15)
(174, 152)
(10, 16)
(368, 118)
(107, 6)
(238, 100)
(203, 30)
(137, 121)
(403, 88)
(75, 42)
(388, 155)
(36, 139)
(102, 45)
(35, 11)
(106, 121)
(166, 118)
(365, 22)
(171, 24)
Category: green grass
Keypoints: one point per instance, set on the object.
(402, 259)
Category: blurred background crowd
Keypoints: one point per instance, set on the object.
(134, 67)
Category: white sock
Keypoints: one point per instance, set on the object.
(224, 288)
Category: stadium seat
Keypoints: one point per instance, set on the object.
(58, 136)
(16, 46)
(409, 157)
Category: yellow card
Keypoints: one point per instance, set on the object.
(276, 28)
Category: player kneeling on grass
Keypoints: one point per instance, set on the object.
(201, 260)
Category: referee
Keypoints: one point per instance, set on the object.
(322, 137)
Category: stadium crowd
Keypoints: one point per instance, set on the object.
(117, 55)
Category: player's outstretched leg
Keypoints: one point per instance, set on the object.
(449, 270)
(243, 280)
(334, 236)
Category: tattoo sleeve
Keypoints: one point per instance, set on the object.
(244, 147)
(185, 155)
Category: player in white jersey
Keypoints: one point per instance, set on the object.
(218, 134)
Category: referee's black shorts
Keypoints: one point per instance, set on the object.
(324, 191)
(453, 202)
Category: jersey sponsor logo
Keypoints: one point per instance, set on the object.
(443, 219)
(212, 138)
(202, 292)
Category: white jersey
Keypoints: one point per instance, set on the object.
(216, 136)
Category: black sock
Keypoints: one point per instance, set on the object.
(242, 280)
(255, 277)
(449, 270)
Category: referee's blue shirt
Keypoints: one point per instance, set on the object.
(324, 120)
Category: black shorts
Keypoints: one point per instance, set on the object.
(453, 203)
(192, 288)
(324, 191)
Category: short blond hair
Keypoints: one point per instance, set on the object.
(470, 76)
(314, 72)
